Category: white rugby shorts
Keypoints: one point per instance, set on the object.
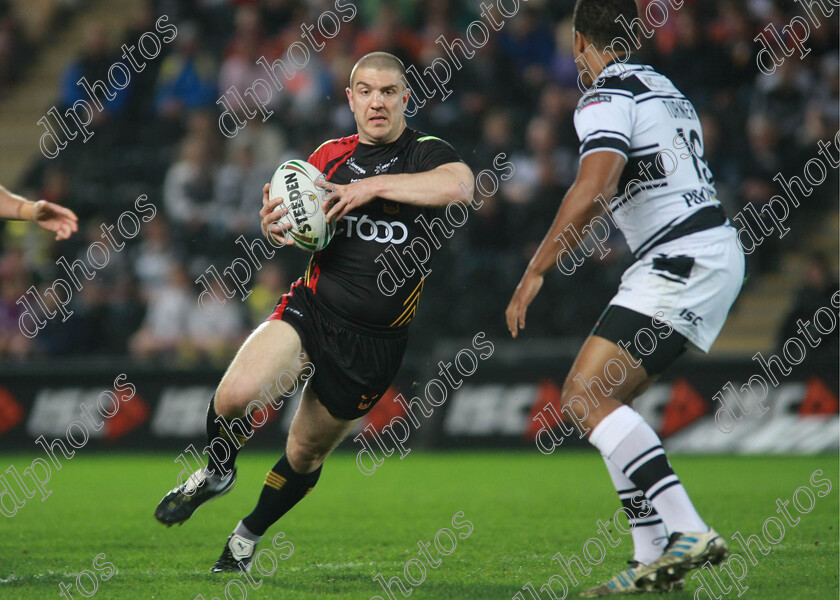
(693, 281)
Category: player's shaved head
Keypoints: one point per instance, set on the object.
(598, 20)
(381, 61)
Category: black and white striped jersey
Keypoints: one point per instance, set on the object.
(666, 190)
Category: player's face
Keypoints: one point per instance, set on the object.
(378, 99)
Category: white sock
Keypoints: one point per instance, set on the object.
(648, 532)
(244, 532)
(629, 442)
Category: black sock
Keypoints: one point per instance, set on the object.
(282, 490)
(225, 437)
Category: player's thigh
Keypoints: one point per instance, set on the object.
(618, 375)
(314, 433)
(271, 349)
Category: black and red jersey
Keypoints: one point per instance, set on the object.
(344, 274)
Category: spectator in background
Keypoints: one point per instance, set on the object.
(92, 64)
(271, 283)
(239, 185)
(563, 69)
(781, 96)
(266, 141)
(529, 43)
(215, 327)
(187, 78)
(276, 14)
(202, 127)
(123, 316)
(15, 49)
(165, 328)
(732, 30)
(240, 70)
(766, 157)
(536, 169)
(726, 170)
(387, 33)
(496, 136)
(141, 103)
(247, 31)
(155, 257)
(556, 106)
(301, 99)
(189, 190)
(14, 281)
(819, 285)
(697, 79)
(516, 96)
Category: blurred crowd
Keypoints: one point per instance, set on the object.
(517, 95)
(15, 47)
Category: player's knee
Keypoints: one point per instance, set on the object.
(574, 398)
(231, 398)
(576, 406)
(568, 384)
(305, 456)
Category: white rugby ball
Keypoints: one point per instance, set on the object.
(294, 181)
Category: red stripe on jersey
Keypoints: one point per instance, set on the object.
(277, 314)
(340, 149)
(313, 277)
(339, 163)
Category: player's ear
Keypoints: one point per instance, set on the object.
(579, 44)
(404, 98)
(349, 93)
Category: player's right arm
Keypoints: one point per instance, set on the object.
(598, 175)
(604, 121)
(48, 215)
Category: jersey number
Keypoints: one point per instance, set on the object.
(695, 148)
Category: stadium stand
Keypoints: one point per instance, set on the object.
(516, 96)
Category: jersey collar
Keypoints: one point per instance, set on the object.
(618, 67)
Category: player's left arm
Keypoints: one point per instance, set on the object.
(598, 175)
(48, 215)
(436, 187)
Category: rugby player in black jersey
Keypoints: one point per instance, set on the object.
(334, 329)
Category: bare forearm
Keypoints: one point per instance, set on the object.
(577, 209)
(15, 207)
(437, 187)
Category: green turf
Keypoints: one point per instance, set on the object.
(524, 508)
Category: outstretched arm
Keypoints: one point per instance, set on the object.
(14, 207)
(48, 215)
(598, 175)
(429, 189)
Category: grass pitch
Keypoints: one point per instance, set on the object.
(524, 508)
